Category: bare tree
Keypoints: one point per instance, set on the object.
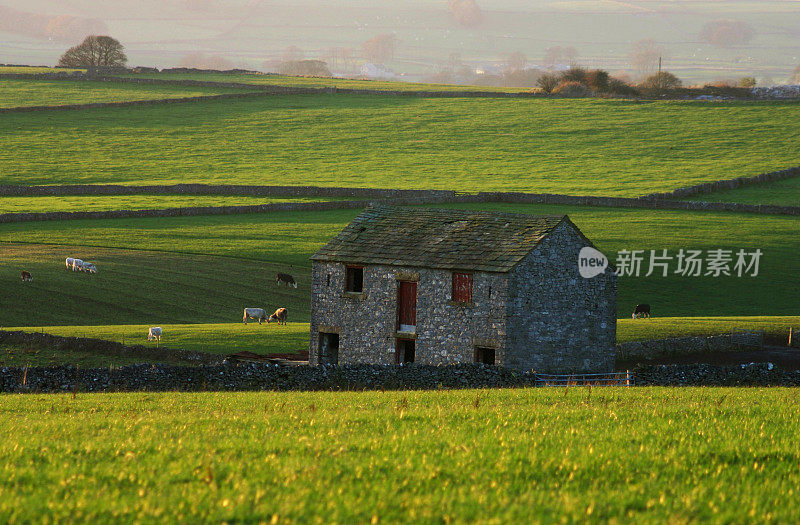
(515, 61)
(466, 12)
(644, 56)
(379, 48)
(291, 54)
(559, 55)
(95, 51)
(726, 33)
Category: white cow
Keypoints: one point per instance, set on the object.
(155, 333)
(254, 313)
(77, 265)
(70, 261)
(88, 267)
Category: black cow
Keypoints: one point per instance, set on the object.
(641, 310)
(285, 278)
(26, 276)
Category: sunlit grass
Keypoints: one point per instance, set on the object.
(510, 456)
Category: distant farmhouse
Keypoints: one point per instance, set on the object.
(402, 285)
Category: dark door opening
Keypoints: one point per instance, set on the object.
(407, 306)
(484, 355)
(328, 349)
(406, 350)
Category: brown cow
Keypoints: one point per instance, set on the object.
(280, 315)
(26, 276)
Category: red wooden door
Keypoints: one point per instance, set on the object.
(407, 303)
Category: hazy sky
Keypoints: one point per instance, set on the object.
(699, 39)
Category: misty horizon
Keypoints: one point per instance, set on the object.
(700, 41)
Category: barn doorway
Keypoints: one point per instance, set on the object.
(328, 349)
(484, 355)
(406, 351)
(407, 306)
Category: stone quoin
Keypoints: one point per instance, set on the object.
(430, 286)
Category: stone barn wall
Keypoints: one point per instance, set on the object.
(558, 321)
(446, 333)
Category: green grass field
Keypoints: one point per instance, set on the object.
(14, 93)
(711, 455)
(140, 287)
(286, 240)
(136, 202)
(229, 338)
(783, 193)
(607, 147)
(219, 338)
(315, 82)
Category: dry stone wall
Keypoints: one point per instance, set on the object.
(675, 346)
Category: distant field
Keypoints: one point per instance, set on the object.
(228, 338)
(605, 147)
(711, 455)
(315, 82)
(140, 286)
(136, 202)
(783, 193)
(278, 240)
(776, 327)
(221, 338)
(35, 70)
(15, 93)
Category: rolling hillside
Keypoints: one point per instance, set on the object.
(581, 147)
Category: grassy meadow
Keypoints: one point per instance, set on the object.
(139, 287)
(165, 263)
(14, 93)
(136, 202)
(717, 455)
(606, 147)
(319, 82)
(229, 338)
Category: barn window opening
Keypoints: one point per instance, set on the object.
(462, 287)
(328, 349)
(406, 351)
(484, 355)
(355, 279)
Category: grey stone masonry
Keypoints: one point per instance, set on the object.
(558, 321)
(530, 310)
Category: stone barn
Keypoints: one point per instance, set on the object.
(401, 285)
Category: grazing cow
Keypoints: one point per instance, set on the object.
(155, 333)
(77, 265)
(26, 276)
(254, 313)
(285, 278)
(641, 310)
(280, 315)
(70, 261)
(88, 267)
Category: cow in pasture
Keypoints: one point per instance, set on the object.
(155, 333)
(88, 267)
(77, 265)
(285, 278)
(280, 315)
(26, 276)
(641, 310)
(70, 262)
(254, 313)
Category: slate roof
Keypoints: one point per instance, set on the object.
(442, 239)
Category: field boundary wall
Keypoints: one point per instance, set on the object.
(726, 184)
(360, 198)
